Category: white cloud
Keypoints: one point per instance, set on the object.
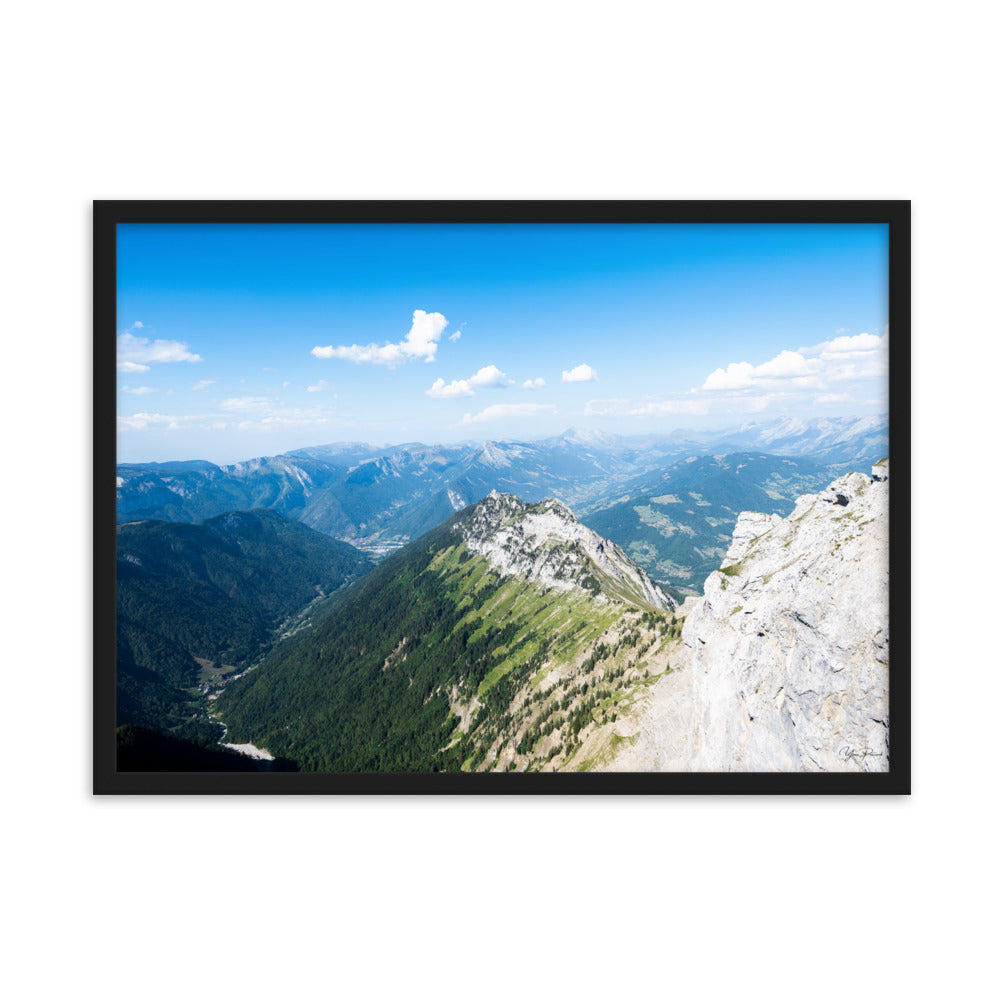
(137, 325)
(455, 335)
(288, 418)
(658, 407)
(842, 359)
(450, 390)
(264, 414)
(257, 413)
(202, 384)
(140, 421)
(534, 383)
(738, 375)
(743, 375)
(851, 347)
(833, 397)
(581, 373)
(872, 367)
(847, 359)
(139, 390)
(321, 386)
(488, 377)
(420, 342)
(505, 410)
(606, 407)
(247, 404)
(787, 364)
(136, 354)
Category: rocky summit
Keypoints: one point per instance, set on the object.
(545, 544)
(789, 648)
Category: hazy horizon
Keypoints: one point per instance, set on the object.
(472, 442)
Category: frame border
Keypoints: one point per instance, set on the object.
(108, 214)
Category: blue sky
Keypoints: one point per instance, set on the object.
(245, 340)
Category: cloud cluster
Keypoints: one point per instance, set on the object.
(505, 410)
(420, 342)
(247, 404)
(844, 358)
(534, 383)
(816, 374)
(581, 373)
(136, 354)
(140, 421)
(628, 408)
(238, 413)
(488, 377)
(786, 365)
(139, 390)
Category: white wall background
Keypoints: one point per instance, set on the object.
(252, 898)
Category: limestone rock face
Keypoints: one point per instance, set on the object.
(546, 544)
(789, 648)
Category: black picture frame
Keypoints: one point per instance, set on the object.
(109, 214)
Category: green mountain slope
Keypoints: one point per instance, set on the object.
(462, 651)
(213, 592)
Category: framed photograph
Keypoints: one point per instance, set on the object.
(501, 497)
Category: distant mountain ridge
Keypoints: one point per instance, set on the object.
(378, 498)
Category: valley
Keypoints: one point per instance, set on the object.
(196, 603)
(379, 498)
(445, 657)
(469, 627)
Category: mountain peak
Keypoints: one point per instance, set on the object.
(545, 544)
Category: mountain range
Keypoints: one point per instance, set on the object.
(513, 637)
(478, 623)
(380, 498)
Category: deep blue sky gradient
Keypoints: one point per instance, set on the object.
(653, 309)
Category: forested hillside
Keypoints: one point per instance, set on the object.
(440, 659)
(197, 602)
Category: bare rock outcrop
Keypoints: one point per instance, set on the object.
(789, 648)
(546, 544)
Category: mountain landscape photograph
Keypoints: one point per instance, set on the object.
(502, 497)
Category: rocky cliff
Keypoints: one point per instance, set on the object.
(545, 544)
(789, 648)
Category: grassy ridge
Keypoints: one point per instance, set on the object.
(435, 662)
